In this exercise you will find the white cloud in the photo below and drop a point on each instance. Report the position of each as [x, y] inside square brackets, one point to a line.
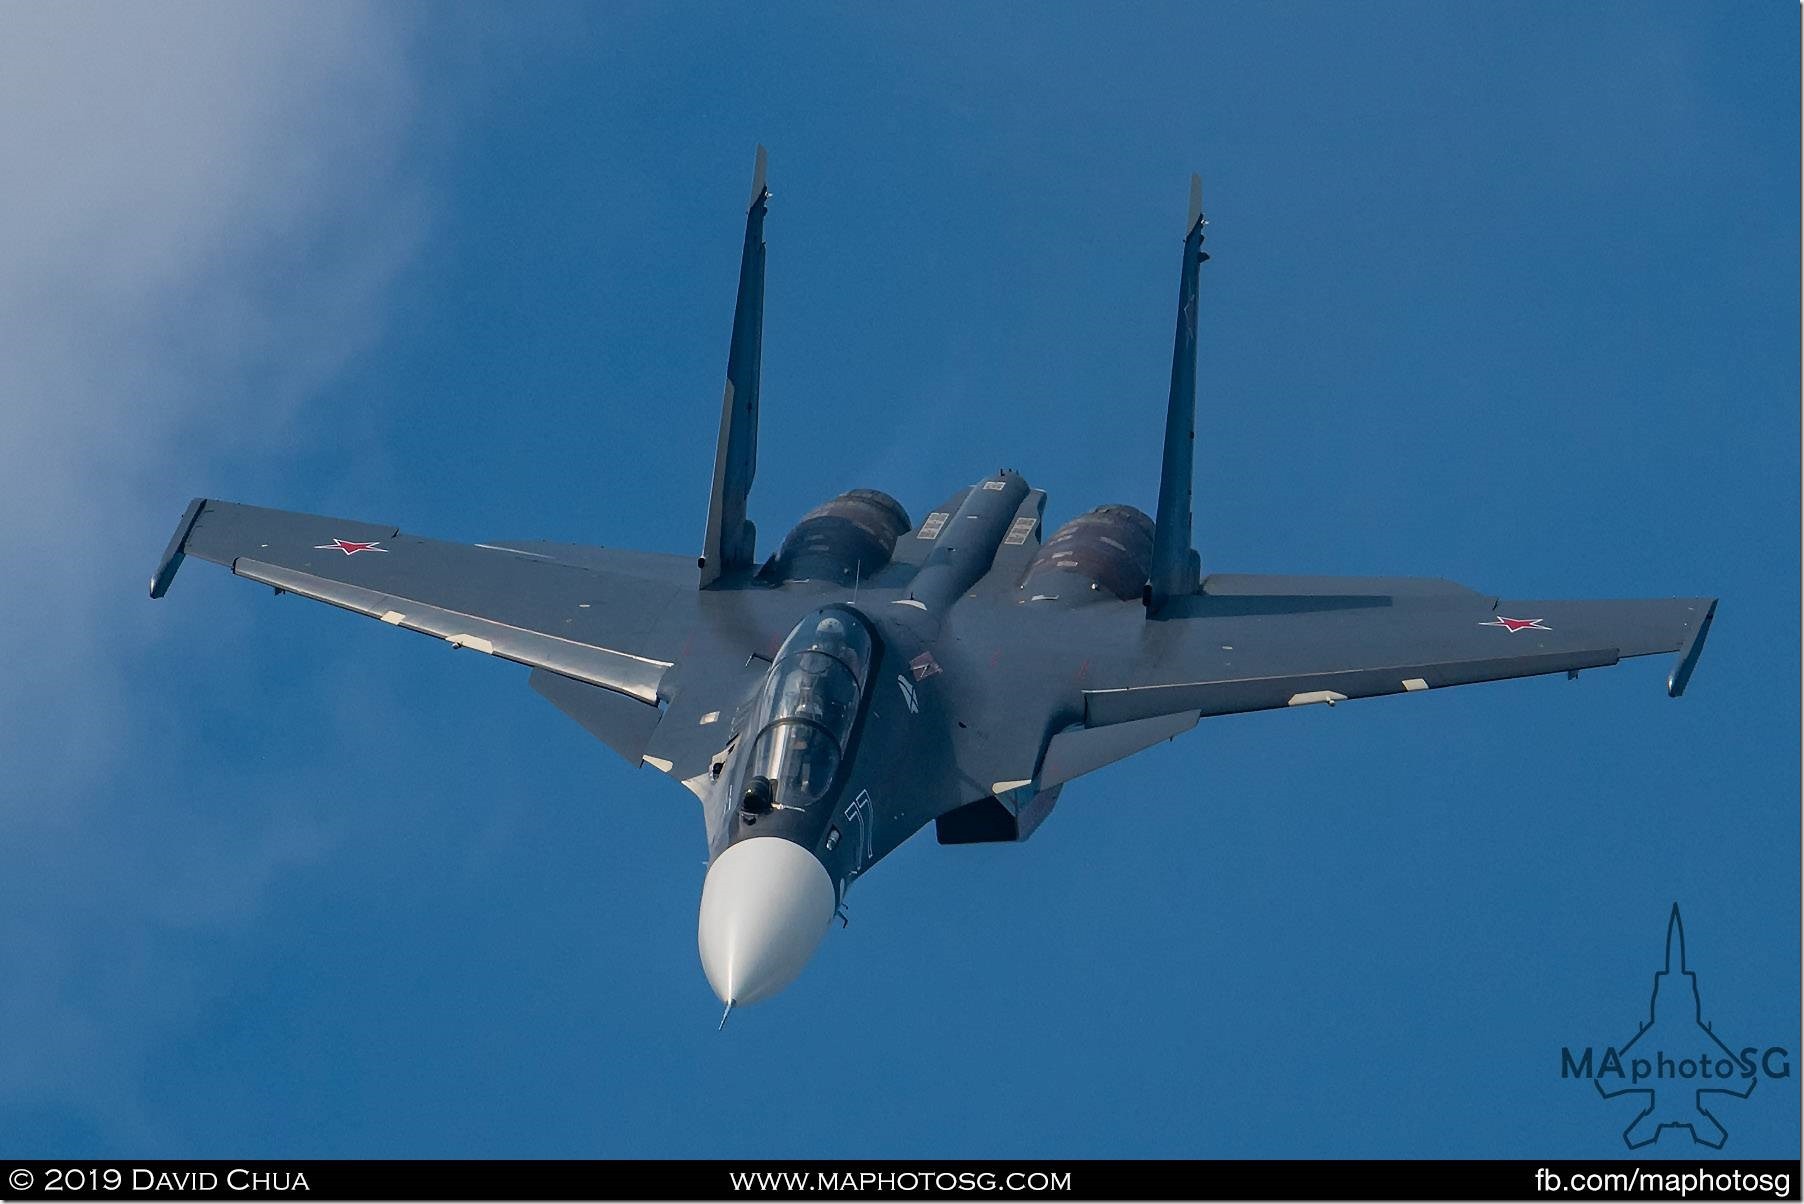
[204, 209]
[203, 206]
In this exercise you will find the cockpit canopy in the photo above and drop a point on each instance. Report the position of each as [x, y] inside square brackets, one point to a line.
[806, 711]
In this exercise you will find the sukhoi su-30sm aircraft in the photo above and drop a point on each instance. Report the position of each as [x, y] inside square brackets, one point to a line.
[873, 675]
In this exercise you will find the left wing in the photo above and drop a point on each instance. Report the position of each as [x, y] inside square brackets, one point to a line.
[618, 628]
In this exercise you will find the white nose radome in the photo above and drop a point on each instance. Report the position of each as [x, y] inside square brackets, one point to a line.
[766, 904]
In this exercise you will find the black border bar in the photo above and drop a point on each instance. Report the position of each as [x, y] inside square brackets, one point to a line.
[152, 1179]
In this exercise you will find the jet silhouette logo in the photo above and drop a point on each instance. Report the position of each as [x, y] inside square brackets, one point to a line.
[1675, 1061]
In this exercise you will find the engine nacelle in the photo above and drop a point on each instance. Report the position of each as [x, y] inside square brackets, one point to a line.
[849, 538]
[1107, 551]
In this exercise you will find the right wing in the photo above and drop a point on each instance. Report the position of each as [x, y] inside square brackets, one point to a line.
[1116, 683]
[614, 628]
[1238, 650]
[1048, 695]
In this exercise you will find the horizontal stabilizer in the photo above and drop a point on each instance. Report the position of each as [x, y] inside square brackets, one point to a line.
[621, 722]
[991, 821]
[1080, 750]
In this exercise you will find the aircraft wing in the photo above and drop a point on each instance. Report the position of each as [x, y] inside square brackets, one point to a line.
[593, 622]
[1227, 652]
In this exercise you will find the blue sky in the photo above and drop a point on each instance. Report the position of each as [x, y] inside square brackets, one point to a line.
[1504, 294]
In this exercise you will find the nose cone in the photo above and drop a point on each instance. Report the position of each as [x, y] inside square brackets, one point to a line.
[766, 904]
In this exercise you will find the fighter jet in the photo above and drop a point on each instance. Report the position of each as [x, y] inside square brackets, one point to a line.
[871, 675]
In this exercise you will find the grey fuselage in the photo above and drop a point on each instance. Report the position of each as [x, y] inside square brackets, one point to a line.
[898, 769]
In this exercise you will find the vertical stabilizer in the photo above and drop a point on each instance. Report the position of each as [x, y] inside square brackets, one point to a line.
[731, 542]
[1176, 568]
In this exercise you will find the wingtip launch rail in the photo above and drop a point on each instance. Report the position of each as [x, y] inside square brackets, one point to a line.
[164, 576]
[1689, 651]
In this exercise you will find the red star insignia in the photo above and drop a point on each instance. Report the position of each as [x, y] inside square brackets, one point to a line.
[349, 547]
[1515, 625]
